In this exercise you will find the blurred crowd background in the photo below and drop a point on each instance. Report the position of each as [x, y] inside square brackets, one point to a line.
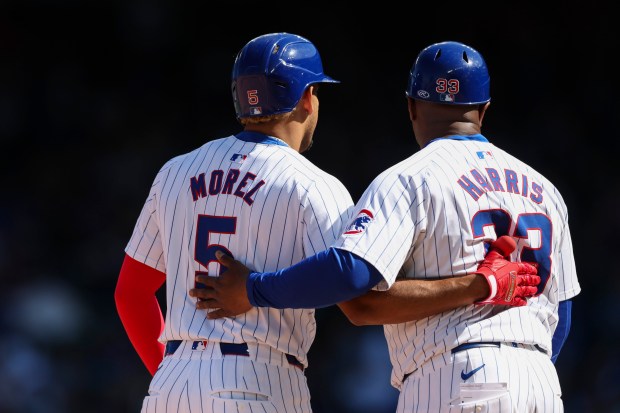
[95, 96]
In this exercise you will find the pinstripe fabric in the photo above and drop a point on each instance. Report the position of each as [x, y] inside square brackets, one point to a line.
[511, 380]
[261, 201]
[204, 381]
[432, 215]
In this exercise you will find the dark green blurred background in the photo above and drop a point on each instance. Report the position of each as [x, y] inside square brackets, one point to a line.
[95, 96]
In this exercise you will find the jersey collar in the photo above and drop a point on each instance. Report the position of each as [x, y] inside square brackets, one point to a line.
[258, 137]
[477, 137]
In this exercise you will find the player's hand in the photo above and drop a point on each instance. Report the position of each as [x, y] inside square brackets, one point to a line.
[510, 283]
[226, 294]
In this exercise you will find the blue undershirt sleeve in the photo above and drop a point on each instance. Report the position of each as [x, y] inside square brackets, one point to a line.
[561, 332]
[324, 279]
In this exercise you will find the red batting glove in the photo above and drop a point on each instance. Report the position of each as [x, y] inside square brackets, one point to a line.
[510, 282]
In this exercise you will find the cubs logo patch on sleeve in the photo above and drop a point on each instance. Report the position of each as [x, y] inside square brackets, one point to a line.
[359, 224]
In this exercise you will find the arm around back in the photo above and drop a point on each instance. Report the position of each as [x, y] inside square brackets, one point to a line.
[410, 300]
[496, 281]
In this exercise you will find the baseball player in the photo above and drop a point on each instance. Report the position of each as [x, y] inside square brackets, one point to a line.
[430, 216]
[254, 196]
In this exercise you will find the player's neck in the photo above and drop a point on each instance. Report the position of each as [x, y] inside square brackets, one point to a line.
[284, 132]
[426, 134]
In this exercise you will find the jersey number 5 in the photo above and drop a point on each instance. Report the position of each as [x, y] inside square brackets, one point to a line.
[539, 223]
[204, 250]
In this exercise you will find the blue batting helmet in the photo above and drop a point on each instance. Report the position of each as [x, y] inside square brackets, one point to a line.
[271, 73]
[449, 72]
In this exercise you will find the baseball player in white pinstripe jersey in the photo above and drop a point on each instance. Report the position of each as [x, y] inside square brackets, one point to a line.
[431, 216]
[254, 196]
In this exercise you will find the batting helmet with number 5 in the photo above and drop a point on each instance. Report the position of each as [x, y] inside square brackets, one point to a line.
[271, 73]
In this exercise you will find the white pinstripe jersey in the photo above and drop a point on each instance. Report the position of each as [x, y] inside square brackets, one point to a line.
[257, 199]
[430, 216]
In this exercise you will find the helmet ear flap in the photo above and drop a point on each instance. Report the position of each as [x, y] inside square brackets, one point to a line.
[450, 73]
[272, 71]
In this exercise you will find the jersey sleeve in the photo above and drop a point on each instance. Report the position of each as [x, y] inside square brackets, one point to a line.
[386, 222]
[567, 278]
[327, 209]
[145, 244]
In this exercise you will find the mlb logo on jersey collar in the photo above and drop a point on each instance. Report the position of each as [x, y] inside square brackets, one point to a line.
[238, 157]
[485, 154]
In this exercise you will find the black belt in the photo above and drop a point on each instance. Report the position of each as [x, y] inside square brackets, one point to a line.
[230, 349]
[467, 346]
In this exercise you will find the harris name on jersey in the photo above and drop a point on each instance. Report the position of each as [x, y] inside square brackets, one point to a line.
[479, 183]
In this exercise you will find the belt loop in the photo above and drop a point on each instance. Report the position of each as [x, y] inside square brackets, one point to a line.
[293, 360]
[172, 346]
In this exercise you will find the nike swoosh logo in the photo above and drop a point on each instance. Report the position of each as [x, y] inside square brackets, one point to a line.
[465, 376]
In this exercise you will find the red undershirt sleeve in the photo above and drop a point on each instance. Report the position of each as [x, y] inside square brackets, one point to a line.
[139, 309]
